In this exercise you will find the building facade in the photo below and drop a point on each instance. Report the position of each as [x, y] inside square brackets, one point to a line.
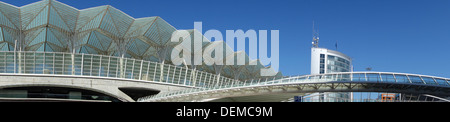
[52, 26]
[325, 61]
[329, 61]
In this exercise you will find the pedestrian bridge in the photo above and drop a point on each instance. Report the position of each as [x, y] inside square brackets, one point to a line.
[337, 82]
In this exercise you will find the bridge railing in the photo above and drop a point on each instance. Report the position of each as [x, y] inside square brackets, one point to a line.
[374, 77]
[58, 63]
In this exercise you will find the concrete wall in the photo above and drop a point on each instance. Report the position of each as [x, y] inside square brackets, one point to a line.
[108, 86]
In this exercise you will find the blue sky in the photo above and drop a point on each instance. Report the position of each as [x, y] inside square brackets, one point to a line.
[409, 36]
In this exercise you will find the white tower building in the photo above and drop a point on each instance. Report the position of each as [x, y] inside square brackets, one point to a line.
[324, 61]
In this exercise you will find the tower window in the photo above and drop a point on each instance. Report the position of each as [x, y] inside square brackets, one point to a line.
[322, 55]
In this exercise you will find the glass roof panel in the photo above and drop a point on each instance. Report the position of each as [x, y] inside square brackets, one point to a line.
[68, 14]
[165, 30]
[29, 12]
[121, 20]
[41, 48]
[85, 38]
[7, 36]
[40, 19]
[104, 41]
[40, 38]
[133, 48]
[140, 26]
[141, 46]
[4, 46]
[153, 34]
[48, 48]
[93, 40]
[52, 39]
[11, 14]
[48, 26]
[90, 18]
[56, 20]
[108, 25]
[5, 21]
[1, 35]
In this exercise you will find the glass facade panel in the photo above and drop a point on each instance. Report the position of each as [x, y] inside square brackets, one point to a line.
[401, 79]
[329, 77]
[322, 64]
[337, 64]
[415, 79]
[429, 80]
[315, 77]
[388, 78]
[344, 77]
[322, 55]
[358, 77]
[442, 82]
[373, 77]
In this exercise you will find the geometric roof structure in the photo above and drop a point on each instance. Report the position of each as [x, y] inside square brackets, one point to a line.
[52, 26]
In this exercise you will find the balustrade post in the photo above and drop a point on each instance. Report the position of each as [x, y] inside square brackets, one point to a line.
[20, 62]
[194, 77]
[168, 74]
[122, 73]
[43, 64]
[185, 76]
[82, 63]
[161, 72]
[140, 70]
[100, 66]
[53, 63]
[132, 69]
[63, 64]
[73, 63]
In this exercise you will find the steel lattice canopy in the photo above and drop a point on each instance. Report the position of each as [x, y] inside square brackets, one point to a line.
[52, 26]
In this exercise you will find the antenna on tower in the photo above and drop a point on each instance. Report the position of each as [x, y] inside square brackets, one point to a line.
[315, 42]
[336, 45]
